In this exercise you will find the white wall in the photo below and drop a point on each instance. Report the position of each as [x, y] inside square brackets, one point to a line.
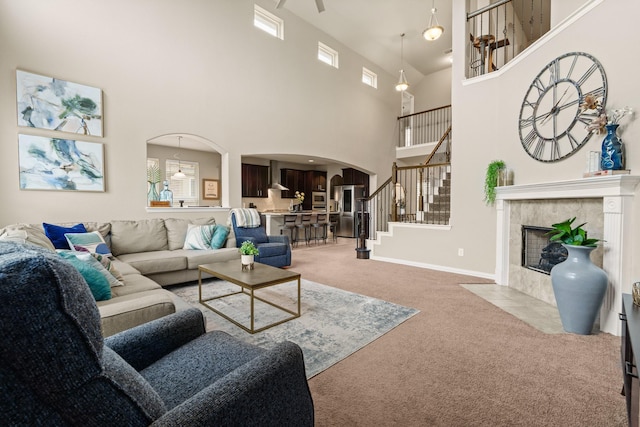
[195, 67]
[485, 127]
[433, 91]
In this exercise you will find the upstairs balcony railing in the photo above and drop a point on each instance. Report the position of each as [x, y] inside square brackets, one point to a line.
[423, 127]
[501, 30]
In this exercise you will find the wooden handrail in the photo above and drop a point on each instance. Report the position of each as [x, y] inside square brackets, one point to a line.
[433, 152]
[425, 111]
[375, 193]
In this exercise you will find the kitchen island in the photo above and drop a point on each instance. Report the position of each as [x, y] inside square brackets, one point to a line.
[274, 220]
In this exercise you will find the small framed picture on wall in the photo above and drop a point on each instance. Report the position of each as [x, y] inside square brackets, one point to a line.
[210, 189]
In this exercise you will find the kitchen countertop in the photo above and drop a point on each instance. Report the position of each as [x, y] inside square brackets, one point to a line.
[275, 218]
[286, 212]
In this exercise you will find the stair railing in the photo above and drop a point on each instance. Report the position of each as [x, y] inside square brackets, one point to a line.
[415, 194]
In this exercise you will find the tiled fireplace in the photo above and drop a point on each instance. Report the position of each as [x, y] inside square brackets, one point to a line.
[604, 203]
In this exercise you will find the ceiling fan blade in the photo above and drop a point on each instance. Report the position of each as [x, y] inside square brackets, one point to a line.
[280, 4]
[320, 6]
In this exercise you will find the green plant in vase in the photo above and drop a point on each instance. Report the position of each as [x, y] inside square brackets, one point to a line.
[248, 248]
[247, 253]
[576, 236]
[153, 178]
[491, 180]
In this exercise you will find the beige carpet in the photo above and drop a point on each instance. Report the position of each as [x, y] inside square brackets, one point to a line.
[461, 361]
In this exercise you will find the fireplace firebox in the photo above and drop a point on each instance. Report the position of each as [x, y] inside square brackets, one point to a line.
[539, 253]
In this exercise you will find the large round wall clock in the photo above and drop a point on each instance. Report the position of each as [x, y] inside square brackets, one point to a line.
[552, 124]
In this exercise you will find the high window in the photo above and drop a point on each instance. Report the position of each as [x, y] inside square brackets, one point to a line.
[327, 55]
[268, 22]
[183, 188]
[369, 78]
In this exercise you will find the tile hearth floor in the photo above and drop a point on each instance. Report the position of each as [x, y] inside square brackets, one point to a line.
[539, 314]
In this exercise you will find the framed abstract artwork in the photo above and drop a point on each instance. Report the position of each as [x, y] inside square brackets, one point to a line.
[60, 164]
[49, 103]
[210, 189]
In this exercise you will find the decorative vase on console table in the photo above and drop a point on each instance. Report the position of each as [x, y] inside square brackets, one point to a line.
[612, 157]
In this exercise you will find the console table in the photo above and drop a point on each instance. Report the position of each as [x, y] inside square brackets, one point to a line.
[630, 347]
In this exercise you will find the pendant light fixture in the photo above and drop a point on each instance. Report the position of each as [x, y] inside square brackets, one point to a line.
[434, 31]
[402, 84]
[179, 174]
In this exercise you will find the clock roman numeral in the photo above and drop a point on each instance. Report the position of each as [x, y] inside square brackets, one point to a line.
[587, 74]
[573, 141]
[528, 140]
[596, 92]
[527, 122]
[573, 64]
[555, 150]
[537, 83]
[554, 71]
[539, 148]
[586, 118]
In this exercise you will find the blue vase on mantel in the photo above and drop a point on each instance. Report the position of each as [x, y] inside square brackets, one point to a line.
[579, 287]
[612, 156]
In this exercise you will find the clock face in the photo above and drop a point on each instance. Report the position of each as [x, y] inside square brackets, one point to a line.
[552, 125]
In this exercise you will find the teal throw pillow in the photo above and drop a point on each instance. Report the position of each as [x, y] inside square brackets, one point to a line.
[56, 233]
[199, 236]
[98, 283]
[220, 235]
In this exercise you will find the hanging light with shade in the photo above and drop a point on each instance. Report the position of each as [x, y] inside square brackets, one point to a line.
[434, 31]
[179, 174]
[402, 84]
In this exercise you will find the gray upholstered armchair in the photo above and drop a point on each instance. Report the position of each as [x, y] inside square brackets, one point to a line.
[56, 369]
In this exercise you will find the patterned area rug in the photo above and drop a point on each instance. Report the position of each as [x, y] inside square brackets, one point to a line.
[333, 323]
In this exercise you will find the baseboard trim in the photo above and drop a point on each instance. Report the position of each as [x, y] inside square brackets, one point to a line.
[435, 267]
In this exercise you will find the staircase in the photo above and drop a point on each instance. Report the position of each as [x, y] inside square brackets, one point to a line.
[419, 194]
[438, 208]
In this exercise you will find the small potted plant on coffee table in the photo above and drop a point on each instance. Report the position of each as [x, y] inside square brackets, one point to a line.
[247, 252]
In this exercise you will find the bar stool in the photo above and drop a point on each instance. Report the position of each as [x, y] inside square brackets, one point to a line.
[305, 225]
[333, 226]
[320, 225]
[289, 226]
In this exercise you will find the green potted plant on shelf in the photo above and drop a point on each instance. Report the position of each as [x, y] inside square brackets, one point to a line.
[247, 253]
[578, 285]
[491, 180]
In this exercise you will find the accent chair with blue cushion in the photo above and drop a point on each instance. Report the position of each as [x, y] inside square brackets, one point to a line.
[57, 370]
[274, 250]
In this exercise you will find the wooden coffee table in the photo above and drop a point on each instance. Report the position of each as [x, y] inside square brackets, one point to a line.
[262, 276]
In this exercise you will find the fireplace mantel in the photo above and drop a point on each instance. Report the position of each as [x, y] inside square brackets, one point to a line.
[616, 192]
[602, 186]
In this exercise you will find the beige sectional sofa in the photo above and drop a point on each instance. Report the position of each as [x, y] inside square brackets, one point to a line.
[149, 254]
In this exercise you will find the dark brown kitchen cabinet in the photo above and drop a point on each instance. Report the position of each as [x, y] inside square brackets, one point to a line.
[352, 176]
[317, 180]
[255, 180]
[294, 180]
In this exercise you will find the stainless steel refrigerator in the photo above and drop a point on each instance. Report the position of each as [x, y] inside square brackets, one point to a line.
[349, 207]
